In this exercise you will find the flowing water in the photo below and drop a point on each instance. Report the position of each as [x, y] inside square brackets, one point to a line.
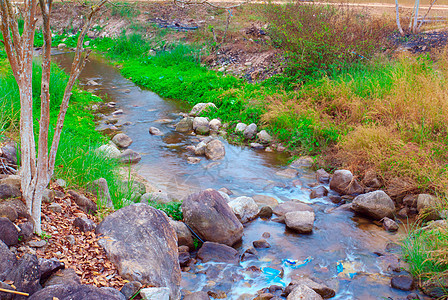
[343, 249]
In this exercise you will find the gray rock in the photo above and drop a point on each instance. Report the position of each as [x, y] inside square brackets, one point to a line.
[200, 122]
[203, 130]
[264, 137]
[410, 201]
[100, 189]
[402, 282]
[185, 125]
[55, 207]
[200, 148]
[209, 216]
[218, 253]
[375, 204]
[256, 146]
[184, 259]
[26, 275]
[9, 151]
[250, 254]
[201, 295]
[244, 208]
[130, 289]
[130, 157]
[240, 127]
[215, 150]
[214, 125]
[184, 236]
[319, 192]
[7, 260]
[140, 241]
[265, 212]
[122, 140]
[371, 180]
[26, 231]
[13, 180]
[344, 183]
[288, 173]
[8, 232]
[17, 205]
[390, 225]
[302, 292]
[8, 212]
[250, 131]
[322, 176]
[9, 191]
[302, 162]
[155, 131]
[61, 182]
[428, 206]
[83, 202]
[261, 244]
[263, 200]
[155, 293]
[37, 244]
[300, 221]
[110, 151]
[84, 224]
[323, 290]
[290, 206]
[199, 108]
[225, 196]
[48, 196]
[48, 267]
[77, 292]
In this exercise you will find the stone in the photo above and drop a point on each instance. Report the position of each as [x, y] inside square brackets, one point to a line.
[402, 282]
[218, 253]
[48, 267]
[263, 200]
[83, 202]
[390, 225]
[322, 176]
[8, 232]
[9, 151]
[288, 173]
[122, 140]
[26, 231]
[9, 191]
[140, 241]
[201, 295]
[17, 205]
[410, 201]
[264, 296]
[319, 192]
[184, 236]
[302, 292]
[200, 121]
[155, 131]
[37, 244]
[155, 293]
[250, 131]
[376, 205]
[55, 207]
[215, 150]
[226, 190]
[240, 127]
[62, 46]
[184, 259]
[302, 162]
[344, 183]
[61, 182]
[225, 196]
[109, 151]
[48, 196]
[7, 260]
[427, 206]
[13, 180]
[203, 130]
[199, 108]
[208, 215]
[84, 224]
[290, 206]
[200, 148]
[264, 137]
[130, 289]
[100, 189]
[245, 208]
[214, 125]
[8, 212]
[77, 292]
[300, 221]
[323, 290]
[185, 125]
[26, 275]
[265, 212]
[261, 244]
[250, 254]
[130, 157]
[371, 180]
[256, 146]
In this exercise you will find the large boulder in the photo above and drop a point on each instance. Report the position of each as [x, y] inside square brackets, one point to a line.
[215, 150]
[201, 107]
[185, 125]
[215, 124]
[110, 151]
[290, 206]
[8, 232]
[245, 208]
[26, 275]
[64, 277]
[300, 221]
[13, 180]
[140, 241]
[375, 204]
[344, 183]
[77, 292]
[209, 216]
[9, 191]
[7, 260]
[200, 122]
[122, 140]
[218, 253]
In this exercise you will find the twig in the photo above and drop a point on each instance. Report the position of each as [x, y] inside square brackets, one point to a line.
[423, 19]
[14, 292]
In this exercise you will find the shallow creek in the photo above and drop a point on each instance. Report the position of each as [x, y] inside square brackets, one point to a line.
[340, 251]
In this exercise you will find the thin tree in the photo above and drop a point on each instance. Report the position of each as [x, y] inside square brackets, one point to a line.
[37, 167]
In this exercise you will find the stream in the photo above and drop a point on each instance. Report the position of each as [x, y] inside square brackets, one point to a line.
[348, 253]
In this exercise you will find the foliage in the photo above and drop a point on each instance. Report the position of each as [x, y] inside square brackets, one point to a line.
[172, 209]
[123, 9]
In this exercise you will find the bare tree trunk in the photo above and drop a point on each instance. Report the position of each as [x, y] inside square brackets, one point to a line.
[398, 18]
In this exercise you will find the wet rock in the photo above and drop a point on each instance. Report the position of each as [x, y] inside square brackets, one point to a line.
[319, 192]
[200, 122]
[8, 232]
[7, 260]
[336, 199]
[300, 221]
[130, 157]
[184, 259]
[63, 277]
[250, 131]
[322, 176]
[109, 151]
[77, 292]
[218, 253]
[263, 200]
[200, 148]
[245, 208]
[55, 207]
[122, 140]
[215, 150]
[375, 204]
[48, 267]
[249, 254]
[83, 202]
[240, 127]
[185, 125]
[427, 205]
[390, 225]
[226, 190]
[100, 189]
[209, 216]
[371, 180]
[84, 224]
[130, 289]
[288, 173]
[8, 212]
[201, 295]
[133, 238]
[184, 236]
[302, 162]
[155, 131]
[215, 124]
[264, 137]
[402, 282]
[323, 290]
[256, 146]
[344, 183]
[290, 206]
[199, 108]
[264, 296]
[225, 196]
[37, 244]
[9, 191]
[265, 212]
[303, 292]
[261, 244]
